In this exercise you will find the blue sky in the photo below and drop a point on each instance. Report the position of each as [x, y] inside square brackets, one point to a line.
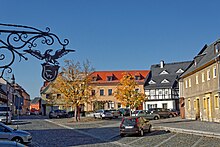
[115, 34]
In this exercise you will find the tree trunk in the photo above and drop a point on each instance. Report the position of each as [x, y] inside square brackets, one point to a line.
[76, 113]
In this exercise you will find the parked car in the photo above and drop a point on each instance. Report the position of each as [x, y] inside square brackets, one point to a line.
[8, 133]
[124, 111]
[115, 113]
[175, 112]
[166, 113]
[34, 111]
[58, 114]
[103, 114]
[146, 114]
[134, 125]
[7, 143]
[71, 113]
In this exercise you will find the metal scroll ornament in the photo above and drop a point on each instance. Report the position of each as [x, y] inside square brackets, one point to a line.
[19, 40]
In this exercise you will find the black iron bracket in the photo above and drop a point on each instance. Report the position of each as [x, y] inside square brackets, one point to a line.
[20, 40]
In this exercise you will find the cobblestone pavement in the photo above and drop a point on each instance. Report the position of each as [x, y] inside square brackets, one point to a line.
[99, 133]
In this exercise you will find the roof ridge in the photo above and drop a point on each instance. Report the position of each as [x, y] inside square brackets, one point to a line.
[174, 62]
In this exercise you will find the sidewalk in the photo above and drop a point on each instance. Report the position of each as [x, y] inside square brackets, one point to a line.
[176, 124]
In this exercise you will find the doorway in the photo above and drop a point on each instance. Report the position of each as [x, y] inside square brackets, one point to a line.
[197, 110]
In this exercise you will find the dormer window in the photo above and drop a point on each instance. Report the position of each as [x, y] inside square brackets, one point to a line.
[152, 82]
[180, 71]
[216, 47]
[165, 81]
[109, 78]
[94, 78]
[137, 77]
[164, 72]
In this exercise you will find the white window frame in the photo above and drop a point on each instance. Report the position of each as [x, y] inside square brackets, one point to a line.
[197, 79]
[186, 83]
[214, 72]
[189, 82]
[208, 75]
[203, 77]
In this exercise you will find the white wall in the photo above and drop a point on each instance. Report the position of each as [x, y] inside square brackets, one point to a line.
[170, 104]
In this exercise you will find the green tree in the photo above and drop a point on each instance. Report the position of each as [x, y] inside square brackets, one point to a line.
[126, 92]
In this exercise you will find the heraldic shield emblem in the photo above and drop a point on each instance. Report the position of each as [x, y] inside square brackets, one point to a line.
[49, 72]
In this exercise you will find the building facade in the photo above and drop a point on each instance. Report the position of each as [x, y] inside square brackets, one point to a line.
[200, 86]
[161, 85]
[104, 84]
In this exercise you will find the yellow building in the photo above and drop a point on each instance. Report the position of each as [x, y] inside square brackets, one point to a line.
[200, 86]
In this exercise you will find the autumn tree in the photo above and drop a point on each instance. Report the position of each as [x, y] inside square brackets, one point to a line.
[127, 93]
[73, 83]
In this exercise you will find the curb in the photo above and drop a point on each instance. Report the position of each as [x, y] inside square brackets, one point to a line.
[186, 131]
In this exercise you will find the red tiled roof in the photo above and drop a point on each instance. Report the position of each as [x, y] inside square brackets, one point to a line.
[102, 75]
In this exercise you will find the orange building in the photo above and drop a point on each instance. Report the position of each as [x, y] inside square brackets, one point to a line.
[104, 84]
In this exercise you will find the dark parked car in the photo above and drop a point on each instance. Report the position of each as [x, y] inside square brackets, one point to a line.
[124, 111]
[58, 114]
[134, 125]
[166, 113]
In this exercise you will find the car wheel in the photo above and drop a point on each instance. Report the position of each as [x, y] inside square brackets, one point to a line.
[156, 118]
[94, 117]
[141, 132]
[170, 116]
[122, 135]
[17, 139]
[101, 117]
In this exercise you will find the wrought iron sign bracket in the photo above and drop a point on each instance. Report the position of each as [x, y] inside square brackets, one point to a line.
[20, 40]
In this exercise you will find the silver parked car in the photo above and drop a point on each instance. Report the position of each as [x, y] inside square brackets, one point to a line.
[8, 133]
[102, 114]
[146, 114]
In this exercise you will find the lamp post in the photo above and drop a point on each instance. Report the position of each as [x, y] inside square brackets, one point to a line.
[13, 93]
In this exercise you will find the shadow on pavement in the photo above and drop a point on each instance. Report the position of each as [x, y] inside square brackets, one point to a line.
[78, 137]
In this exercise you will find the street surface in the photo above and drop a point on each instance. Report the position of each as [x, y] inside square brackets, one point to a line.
[99, 133]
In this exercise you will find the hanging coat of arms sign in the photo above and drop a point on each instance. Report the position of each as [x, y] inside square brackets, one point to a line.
[17, 37]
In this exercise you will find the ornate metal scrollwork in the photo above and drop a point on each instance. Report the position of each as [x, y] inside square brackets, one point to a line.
[18, 37]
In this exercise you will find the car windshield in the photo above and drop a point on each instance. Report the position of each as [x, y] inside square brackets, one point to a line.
[129, 121]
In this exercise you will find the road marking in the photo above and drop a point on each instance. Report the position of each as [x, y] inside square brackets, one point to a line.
[197, 142]
[165, 140]
[88, 134]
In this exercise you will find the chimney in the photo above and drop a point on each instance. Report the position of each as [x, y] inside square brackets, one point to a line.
[161, 64]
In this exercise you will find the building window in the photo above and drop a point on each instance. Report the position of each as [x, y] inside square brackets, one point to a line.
[189, 82]
[58, 96]
[216, 102]
[109, 78]
[93, 92]
[119, 105]
[208, 75]
[101, 92]
[204, 103]
[203, 77]
[137, 77]
[189, 104]
[109, 91]
[164, 105]
[197, 79]
[214, 72]
[186, 83]
[194, 104]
